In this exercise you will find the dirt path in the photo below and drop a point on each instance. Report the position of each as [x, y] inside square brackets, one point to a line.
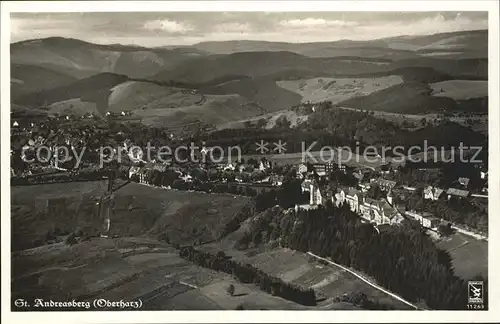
[365, 280]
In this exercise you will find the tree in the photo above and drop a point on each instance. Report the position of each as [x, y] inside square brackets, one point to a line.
[71, 239]
[168, 177]
[261, 123]
[230, 290]
[283, 122]
[445, 230]
[375, 192]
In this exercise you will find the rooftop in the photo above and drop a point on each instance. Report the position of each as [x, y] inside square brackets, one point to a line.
[457, 192]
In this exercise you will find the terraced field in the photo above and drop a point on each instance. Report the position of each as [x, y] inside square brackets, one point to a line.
[338, 89]
[460, 89]
[298, 268]
[470, 256]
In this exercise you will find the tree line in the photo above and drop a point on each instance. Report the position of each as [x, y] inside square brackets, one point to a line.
[339, 127]
[246, 273]
[457, 211]
[403, 259]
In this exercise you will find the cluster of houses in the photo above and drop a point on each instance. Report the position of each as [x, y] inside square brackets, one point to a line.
[379, 212]
[460, 191]
[122, 113]
[260, 174]
[383, 211]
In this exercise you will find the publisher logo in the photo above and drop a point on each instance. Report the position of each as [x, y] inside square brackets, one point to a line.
[476, 292]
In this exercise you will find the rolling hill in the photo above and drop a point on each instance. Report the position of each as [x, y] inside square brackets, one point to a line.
[189, 83]
[460, 89]
[413, 98]
[273, 65]
[81, 59]
[338, 89]
[265, 93]
[94, 89]
[27, 78]
[464, 44]
[152, 103]
[266, 64]
[471, 69]
[322, 49]
[288, 65]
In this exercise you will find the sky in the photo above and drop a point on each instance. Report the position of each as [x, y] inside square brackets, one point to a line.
[186, 28]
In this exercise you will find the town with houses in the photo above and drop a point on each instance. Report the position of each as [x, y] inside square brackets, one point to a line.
[321, 172]
[318, 182]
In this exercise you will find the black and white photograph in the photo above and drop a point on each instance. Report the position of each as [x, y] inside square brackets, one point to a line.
[247, 160]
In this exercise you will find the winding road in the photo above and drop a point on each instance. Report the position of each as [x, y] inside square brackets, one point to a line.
[365, 280]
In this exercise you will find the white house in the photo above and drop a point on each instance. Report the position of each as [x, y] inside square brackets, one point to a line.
[133, 170]
[453, 192]
[306, 185]
[364, 186]
[390, 197]
[374, 211]
[302, 168]
[353, 198]
[397, 219]
[385, 184]
[432, 193]
[264, 165]
[431, 222]
[277, 180]
[339, 198]
[315, 196]
[425, 219]
[379, 212]
[230, 167]
[464, 181]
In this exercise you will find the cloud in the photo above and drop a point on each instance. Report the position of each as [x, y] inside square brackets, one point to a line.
[29, 28]
[157, 29]
[233, 27]
[437, 23]
[169, 26]
[316, 22]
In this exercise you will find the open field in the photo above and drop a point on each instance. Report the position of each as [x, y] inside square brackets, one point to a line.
[211, 109]
[470, 256]
[414, 122]
[39, 210]
[186, 217]
[338, 89]
[131, 269]
[460, 89]
[148, 103]
[137, 263]
[345, 157]
[298, 268]
[74, 106]
[132, 95]
[270, 120]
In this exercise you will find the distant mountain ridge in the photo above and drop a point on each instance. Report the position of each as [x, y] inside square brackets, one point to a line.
[472, 44]
[82, 59]
[235, 79]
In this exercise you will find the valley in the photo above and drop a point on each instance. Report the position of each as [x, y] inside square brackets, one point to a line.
[267, 230]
